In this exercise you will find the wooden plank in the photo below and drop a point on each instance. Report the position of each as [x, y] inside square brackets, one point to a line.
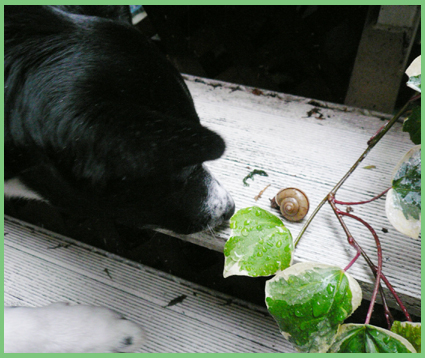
[273, 132]
[42, 267]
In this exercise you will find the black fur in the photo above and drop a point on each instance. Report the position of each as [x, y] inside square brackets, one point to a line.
[98, 122]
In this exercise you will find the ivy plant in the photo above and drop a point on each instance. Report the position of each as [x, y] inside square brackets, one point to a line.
[364, 338]
[403, 204]
[409, 330]
[261, 245]
[310, 301]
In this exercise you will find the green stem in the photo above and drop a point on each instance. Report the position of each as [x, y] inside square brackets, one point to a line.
[309, 220]
[371, 143]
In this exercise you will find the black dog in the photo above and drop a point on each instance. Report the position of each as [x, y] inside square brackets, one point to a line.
[98, 122]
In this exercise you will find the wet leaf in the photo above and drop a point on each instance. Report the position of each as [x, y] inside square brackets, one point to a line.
[309, 301]
[414, 73]
[409, 330]
[361, 338]
[415, 83]
[403, 203]
[260, 244]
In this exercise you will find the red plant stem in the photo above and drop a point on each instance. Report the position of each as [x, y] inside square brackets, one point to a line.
[376, 269]
[374, 136]
[353, 261]
[331, 197]
[388, 316]
[354, 243]
[361, 202]
[415, 97]
[400, 303]
[387, 313]
[379, 268]
[351, 241]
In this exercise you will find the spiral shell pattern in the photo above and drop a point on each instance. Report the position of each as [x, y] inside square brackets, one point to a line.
[293, 203]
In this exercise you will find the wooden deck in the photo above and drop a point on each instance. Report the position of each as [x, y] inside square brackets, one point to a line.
[42, 267]
[267, 131]
[276, 133]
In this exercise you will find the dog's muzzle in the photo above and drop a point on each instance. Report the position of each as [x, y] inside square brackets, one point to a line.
[219, 205]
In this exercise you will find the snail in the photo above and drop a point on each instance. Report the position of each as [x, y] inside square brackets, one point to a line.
[292, 202]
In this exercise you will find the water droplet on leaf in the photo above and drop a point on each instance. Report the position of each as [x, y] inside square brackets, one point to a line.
[303, 326]
[330, 288]
[342, 315]
[318, 309]
[299, 313]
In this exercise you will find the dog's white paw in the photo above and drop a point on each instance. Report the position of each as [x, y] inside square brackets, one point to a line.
[61, 328]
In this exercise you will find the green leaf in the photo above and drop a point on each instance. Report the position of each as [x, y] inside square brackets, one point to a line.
[260, 244]
[403, 204]
[415, 83]
[309, 301]
[364, 338]
[407, 181]
[414, 73]
[409, 330]
[412, 125]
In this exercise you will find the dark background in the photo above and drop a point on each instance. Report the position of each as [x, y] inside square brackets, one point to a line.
[302, 50]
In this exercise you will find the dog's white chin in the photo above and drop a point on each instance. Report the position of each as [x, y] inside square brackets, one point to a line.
[218, 203]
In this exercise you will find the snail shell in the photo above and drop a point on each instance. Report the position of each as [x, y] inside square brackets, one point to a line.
[293, 203]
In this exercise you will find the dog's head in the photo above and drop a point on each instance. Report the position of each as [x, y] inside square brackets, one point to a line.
[103, 125]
